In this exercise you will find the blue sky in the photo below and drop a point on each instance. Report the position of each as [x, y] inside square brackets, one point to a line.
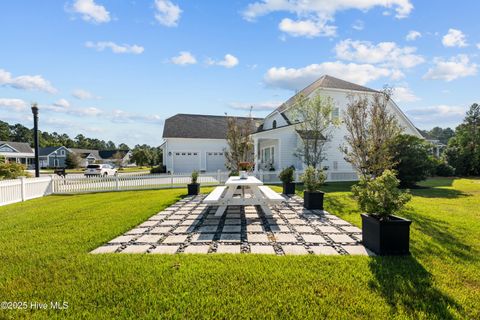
[116, 69]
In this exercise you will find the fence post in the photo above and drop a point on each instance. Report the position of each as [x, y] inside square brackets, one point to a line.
[296, 176]
[218, 176]
[22, 180]
[171, 179]
[117, 184]
[52, 183]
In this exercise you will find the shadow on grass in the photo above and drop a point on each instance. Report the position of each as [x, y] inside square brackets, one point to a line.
[408, 288]
[435, 192]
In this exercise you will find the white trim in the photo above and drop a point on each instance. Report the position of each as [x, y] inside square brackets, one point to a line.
[6, 144]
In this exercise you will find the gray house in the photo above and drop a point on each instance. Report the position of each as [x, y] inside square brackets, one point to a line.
[20, 152]
[53, 157]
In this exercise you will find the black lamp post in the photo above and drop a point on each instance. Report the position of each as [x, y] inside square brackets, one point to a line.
[35, 138]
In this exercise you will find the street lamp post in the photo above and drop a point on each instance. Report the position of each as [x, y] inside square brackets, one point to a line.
[35, 138]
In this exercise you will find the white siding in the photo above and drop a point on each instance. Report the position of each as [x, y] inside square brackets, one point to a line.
[275, 116]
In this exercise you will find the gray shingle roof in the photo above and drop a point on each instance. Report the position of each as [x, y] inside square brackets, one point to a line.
[86, 152]
[199, 126]
[325, 81]
[22, 147]
[47, 150]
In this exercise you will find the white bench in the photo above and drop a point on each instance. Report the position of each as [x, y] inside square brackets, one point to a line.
[271, 195]
[215, 196]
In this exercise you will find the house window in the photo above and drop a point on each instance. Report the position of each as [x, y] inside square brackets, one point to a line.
[62, 152]
[274, 124]
[335, 165]
[336, 113]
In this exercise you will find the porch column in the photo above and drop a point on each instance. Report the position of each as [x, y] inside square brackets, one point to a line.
[255, 153]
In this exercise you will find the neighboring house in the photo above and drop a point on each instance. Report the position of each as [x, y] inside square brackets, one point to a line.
[20, 152]
[89, 156]
[437, 147]
[195, 142]
[192, 140]
[52, 157]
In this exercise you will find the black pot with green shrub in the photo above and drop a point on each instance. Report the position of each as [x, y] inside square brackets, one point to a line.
[382, 232]
[313, 179]
[194, 187]
[286, 176]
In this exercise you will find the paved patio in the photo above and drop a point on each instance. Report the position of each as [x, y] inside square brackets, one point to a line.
[189, 226]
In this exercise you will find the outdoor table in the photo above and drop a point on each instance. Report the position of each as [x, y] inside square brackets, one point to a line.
[252, 193]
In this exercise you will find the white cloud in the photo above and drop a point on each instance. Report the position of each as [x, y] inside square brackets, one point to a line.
[26, 82]
[478, 45]
[458, 66]
[439, 115]
[184, 58]
[404, 94]
[167, 13]
[295, 79]
[62, 103]
[385, 53]
[454, 38]
[358, 25]
[82, 94]
[91, 11]
[15, 104]
[229, 61]
[257, 106]
[314, 15]
[306, 28]
[413, 35]
[102, 45]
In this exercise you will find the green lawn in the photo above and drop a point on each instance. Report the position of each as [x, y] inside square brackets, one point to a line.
[44, 245]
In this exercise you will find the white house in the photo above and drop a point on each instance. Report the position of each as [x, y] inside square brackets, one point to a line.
[20, 152]
[275, 141]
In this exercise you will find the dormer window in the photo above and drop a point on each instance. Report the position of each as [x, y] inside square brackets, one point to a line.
[274, 124]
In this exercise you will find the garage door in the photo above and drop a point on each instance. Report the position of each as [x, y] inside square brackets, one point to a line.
[215, 161]
[184, 162]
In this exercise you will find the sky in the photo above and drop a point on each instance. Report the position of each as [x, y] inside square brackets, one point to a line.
[115, 70]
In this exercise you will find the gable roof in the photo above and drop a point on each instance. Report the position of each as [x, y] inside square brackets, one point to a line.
[21, 147]
[200, 126]
[48, 150]
[85, 152]
[325, 81]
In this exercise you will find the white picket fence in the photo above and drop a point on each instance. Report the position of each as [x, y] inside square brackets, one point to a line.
[22, 189]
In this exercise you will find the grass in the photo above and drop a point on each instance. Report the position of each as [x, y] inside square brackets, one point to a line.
[44, 245]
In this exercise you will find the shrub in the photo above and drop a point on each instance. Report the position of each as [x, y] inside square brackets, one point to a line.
[233, 173]
[246, 166]
[313, 179]
[159, 169]
[443, 169]
[286, 176]
[413, 162]
[194, 177]
[380, 196]
[11, 170]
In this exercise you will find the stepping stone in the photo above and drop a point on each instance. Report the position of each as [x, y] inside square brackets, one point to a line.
[183, 229]
[158, 217]
[257, 238]
[161, 230]
[313, 238]
[196, 249]
[190, 222]
[122, 239]
[279, 228]
[203, 237]
[285, 237]
[255, 228]
[296, 221]
[175, 239]
[340, 222]
[324, 250]
[276, 221]
[328, 229]
[230, 237]
[208, 229]
[211, 222]
[233, 221]
[105, 249]
[176, 217]
[294, 250]
[341, 238]
[358, 250]
[304, 229]
[149, 238]
[148, 223]
[165, 249]
[136, 249]
[262, 250]
[169, 223]
[136, 231]
[351, 229]
[232, 228]
[224, 248]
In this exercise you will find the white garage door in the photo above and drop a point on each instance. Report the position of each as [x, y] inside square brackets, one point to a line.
[215, 161]
[184, 162]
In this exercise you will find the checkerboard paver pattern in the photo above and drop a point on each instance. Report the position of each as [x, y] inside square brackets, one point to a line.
[190, 227]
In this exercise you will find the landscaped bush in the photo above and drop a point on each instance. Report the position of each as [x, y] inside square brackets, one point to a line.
[194, 177]
[380, 196]
[443, 169]
[286, 175]
[313, 179]
[11, 170]
[412, 159]
[159, 169]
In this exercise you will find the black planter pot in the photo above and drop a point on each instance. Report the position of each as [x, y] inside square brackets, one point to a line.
[289, 188]
[313, 200]
[193, 189]
[386, 237]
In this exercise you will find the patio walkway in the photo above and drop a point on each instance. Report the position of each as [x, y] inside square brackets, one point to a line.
[189, 226]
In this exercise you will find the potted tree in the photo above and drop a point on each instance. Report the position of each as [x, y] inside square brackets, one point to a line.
[313, 179]
[383, 232]
[286, 176]
[244, 168]
[194, 187]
